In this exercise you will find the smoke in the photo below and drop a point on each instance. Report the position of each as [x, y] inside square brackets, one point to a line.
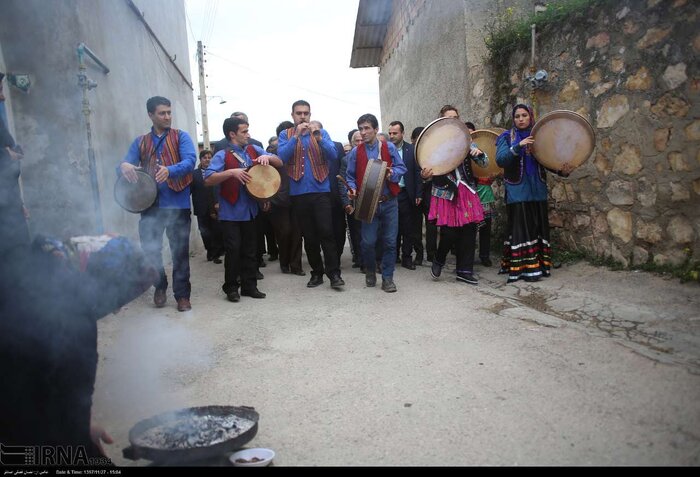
[149, 362]
[48, 334]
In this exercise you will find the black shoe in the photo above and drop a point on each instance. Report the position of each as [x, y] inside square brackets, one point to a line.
[467, 278]
[486, 262]
[272, 258]
[408, 264]
[337, 282]
[233, 296]
[216, 260]
[435, 270]
[259, 275]
[285, 269]
[159, 298]
[254, 293]
[388, 285]
[418, 262]
[301, 273]
[315, 281]
[261, 263]
[370, 279]
[556, 264]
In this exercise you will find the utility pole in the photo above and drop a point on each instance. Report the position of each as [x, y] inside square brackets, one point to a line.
[203, 95]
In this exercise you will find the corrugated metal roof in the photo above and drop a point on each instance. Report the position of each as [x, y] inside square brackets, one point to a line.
[370, 29]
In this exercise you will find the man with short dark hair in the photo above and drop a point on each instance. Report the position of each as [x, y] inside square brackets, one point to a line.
[386, 217]
[411, 193]
[205, 204]
[237, 208]
[308, 151]
[168, 155]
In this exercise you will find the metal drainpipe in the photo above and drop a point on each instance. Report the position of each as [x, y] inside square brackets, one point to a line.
[87, 84]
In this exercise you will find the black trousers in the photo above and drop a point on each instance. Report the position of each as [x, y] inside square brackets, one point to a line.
[485, 239]
[210, 230]
[240, 243]
[338, 216]
[265, 233]
[313, 211]
[354, 231]
[288, 236]
[431, 233]
[464, 238]
[405, 237]
[176, 224]
[417, 225]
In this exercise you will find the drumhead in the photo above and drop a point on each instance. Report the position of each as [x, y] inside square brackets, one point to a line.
[265, 181]
[563, 136]
[136, 197]
[485, 140]
[371, 191]
[443, 145]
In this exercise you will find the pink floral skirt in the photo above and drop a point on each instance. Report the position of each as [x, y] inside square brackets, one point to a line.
[463, 209]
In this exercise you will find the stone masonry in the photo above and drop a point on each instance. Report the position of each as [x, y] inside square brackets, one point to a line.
[632, 69]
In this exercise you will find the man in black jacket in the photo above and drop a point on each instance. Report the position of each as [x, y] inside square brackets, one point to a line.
[205, 206]
[410, 196]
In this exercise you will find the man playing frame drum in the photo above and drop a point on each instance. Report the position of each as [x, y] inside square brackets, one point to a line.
[386, 217]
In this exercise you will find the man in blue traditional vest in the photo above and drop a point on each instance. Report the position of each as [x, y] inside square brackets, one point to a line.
[168, 155]
[386, 217]
[237, 208]
[307, 152]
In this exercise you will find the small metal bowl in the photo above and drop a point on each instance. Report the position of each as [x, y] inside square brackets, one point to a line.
[247, 457]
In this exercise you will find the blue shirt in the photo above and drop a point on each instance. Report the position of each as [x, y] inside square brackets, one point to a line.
[398, 168]
[168, 198]
[531, 188]
[246, 207]
[307, 184]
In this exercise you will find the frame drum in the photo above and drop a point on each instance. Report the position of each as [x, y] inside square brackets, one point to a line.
[136, 197]
[371, 191]
[443, 145]
[265, 181]
[562, 136]
[485, 140]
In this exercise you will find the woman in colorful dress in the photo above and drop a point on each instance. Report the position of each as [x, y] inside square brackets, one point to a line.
[455, 206]
[526, 249]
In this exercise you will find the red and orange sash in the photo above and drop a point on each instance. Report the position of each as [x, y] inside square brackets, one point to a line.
[295, 167]
[169, 156]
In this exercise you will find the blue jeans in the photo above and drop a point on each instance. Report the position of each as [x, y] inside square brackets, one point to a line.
[176, 225]
[387, 220]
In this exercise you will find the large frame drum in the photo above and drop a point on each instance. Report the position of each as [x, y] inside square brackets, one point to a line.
[485, 140]
[136, 197]
[443, 145]
[265, 181]
[371, 190]
[563, 136]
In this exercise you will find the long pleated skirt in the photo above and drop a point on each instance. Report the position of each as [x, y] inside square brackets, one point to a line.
[526, 250]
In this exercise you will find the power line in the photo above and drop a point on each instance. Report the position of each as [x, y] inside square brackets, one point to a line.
[279, 79]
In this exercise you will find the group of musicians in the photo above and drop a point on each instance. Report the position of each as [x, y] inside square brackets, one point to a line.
[310, 166]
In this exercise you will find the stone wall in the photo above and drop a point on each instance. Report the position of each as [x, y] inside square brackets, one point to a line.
[632, 69]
